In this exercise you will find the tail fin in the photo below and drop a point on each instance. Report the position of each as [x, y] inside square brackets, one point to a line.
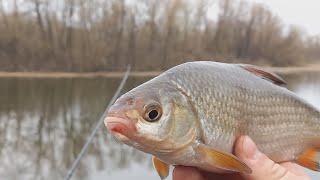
[310, 159]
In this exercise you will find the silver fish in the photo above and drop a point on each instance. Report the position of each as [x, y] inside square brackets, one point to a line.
[192, 114]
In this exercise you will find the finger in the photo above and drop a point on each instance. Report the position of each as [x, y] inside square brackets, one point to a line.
[187, 173]
[262, 167]
[191, 173]
[294, 168]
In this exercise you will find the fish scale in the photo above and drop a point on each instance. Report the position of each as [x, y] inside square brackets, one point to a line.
[269, 111]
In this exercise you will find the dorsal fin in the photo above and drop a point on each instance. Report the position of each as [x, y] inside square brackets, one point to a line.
[258, 71]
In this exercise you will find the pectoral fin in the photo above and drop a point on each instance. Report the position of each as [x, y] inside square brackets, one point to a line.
[310, 159]
[223, 160]
[161, 167]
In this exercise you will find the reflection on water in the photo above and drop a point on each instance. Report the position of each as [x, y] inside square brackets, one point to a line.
[45, 122]
[307, 86]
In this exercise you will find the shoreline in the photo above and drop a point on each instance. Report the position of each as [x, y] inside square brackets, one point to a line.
[76, 74]
[280, 70]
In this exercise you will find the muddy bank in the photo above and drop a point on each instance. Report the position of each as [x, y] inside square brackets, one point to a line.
[282, 70]
[76, 75]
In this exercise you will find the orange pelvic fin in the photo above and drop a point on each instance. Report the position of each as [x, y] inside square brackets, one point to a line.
[161, 167]
[223, 160]
[310, 159]
[258, 71]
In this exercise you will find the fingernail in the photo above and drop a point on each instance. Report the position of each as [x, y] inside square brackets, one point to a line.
[250, 148]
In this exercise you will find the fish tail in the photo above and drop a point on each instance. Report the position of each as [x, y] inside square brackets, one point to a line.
[310, 159]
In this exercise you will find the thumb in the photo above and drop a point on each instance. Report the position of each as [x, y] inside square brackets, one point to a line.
[262, 167]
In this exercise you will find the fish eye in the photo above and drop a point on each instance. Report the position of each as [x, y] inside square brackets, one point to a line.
[153, 113]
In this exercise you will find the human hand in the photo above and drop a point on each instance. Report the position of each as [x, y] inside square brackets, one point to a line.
[262, 167]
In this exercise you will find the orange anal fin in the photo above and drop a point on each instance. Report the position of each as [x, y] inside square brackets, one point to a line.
[270, 76]
[310, 159]
[161, 167]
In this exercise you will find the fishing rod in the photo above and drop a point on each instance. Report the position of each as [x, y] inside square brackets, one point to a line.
[95, 130]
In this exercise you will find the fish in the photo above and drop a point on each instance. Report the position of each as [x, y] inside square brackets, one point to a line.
[192, 114]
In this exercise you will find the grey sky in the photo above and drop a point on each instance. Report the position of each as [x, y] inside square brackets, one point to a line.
[304, 13]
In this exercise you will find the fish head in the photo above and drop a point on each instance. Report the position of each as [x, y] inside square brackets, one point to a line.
[154, 118]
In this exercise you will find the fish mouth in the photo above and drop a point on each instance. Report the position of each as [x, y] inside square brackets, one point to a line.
[121, 137]
[119, 127]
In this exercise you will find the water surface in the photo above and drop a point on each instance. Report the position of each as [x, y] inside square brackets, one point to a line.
[45, 122]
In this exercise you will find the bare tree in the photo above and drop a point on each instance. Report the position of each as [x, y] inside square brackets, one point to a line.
[120, 13]
[3, 14]
[98, 35]
[37, 7]
[131, 52]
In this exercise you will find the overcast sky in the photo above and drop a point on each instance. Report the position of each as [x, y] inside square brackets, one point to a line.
[305, 13]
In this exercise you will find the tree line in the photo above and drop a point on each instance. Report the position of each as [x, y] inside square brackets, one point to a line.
[106, 35]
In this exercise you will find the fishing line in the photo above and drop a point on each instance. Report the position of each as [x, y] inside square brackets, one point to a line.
[85, 147]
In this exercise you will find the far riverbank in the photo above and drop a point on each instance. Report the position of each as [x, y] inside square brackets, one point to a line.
[280, 70]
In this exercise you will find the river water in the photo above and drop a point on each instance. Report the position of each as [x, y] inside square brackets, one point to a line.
[45, 122]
